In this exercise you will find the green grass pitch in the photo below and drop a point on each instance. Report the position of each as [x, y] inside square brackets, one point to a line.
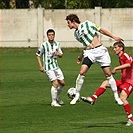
[25, 97]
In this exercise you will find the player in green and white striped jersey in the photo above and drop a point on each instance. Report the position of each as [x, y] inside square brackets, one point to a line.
[86, 32]
[94, 51]
[50, 49]
[49, 58]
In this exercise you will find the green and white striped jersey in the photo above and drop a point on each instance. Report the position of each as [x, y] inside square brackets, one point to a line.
[49, 59]
[85, 32]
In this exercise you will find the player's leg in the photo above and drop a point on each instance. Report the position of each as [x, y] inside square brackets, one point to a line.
[61, 84]
[59, 90]
[104, 62]
[79, 83]
[54, 93]
[80, 79]
[97, 93]
[52, 77]
[112, 84]
[124, 95]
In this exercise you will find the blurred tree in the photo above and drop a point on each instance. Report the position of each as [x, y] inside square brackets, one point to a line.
[50, 4]
[22, 3]
[31, 3]
[70, 4]
[112, 3]
[78, 4]
[4, 4]
[12, 4]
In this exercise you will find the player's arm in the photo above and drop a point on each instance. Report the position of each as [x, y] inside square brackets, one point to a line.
[107, 33]
[121, 67]
[58, 52]
[40, 63]
[38, 56]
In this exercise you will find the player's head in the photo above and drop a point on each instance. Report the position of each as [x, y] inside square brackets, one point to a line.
[50, 35]
[50, 30]
[118, 48]
[71, 20]
[120, 45]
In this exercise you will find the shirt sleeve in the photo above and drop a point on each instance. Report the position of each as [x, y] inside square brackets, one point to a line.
[59, 49]
[94, 26]
[128, 58]
[40, 50]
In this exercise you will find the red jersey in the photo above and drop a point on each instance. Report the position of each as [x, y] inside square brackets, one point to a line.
[126, 73]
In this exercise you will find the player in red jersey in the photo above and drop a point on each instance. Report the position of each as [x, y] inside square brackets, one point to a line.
[124, 85]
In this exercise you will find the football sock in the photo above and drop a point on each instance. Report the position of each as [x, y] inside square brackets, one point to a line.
[113, 86]
[128, 111]
[54, 93]
[79, 83]
[98, 92]
[59, 89]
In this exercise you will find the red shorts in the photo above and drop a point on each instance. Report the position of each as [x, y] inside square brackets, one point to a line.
[128, 88]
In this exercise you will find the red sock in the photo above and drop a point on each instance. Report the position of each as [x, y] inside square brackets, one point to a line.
[98, 92]
[128, 111]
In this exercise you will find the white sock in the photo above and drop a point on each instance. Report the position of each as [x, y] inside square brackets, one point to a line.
[53, 94]
[113, 86]
[79, 83]
[59, 89]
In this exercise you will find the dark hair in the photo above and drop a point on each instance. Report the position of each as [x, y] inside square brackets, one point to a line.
[73, 18]
[120, 44]
[50, 30]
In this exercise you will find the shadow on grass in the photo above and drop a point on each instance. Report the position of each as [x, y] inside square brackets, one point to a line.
[99, 125]
[114, 125]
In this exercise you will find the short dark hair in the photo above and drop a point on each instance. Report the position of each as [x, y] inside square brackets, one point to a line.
[50, 30]
[73, 18]
[120, 44]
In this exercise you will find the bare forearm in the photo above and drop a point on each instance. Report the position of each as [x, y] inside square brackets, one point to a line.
[107, 33]
[120, 67]
[40, 64]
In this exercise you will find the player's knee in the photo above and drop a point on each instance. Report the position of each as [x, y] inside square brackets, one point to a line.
[55, 83]
[82, 73]
[123, 99]
[62, 84]
[108, 74]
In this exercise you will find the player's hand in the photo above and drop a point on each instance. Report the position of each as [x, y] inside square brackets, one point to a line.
[118, 39]
[56, 53]
[41, 69]
[114, 71]
[79, 59]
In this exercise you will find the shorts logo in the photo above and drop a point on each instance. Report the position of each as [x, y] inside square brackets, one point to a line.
[130, 88]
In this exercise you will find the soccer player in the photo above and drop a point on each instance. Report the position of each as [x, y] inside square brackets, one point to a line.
[94, 51]
[125, 84]
[50, 50]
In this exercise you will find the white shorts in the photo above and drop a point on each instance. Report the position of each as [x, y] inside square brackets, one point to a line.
[55, 74]
[99, 55]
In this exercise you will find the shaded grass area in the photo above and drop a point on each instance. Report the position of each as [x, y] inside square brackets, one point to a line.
[25, 97]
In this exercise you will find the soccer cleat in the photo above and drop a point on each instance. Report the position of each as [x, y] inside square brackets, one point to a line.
[55, 104]
[74, 101]
[88, 100]
[60, 101]
[129, 123]
[118, 101]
